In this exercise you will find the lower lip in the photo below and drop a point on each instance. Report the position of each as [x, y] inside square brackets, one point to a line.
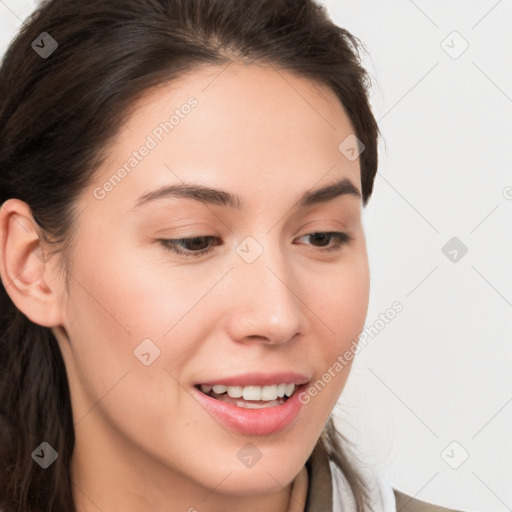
[257, 422]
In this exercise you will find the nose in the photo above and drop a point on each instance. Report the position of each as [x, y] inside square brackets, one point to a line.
[264, 300]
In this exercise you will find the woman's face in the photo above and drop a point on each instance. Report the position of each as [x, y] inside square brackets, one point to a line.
[269, 303]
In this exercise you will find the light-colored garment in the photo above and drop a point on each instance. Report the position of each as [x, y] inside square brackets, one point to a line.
[382, 497]
[329, 491]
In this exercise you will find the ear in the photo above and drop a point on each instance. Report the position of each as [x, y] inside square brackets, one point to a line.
[27, 275]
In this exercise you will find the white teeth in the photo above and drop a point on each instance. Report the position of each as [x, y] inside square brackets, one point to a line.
[262, 405]
[266, 393]
[290, 388]
[269, 393]
[235, 391]
[252, 393]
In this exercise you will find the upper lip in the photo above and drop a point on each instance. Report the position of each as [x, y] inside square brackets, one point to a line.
[258, 379]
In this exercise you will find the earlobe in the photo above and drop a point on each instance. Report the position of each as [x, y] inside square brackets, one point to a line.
[25, 274]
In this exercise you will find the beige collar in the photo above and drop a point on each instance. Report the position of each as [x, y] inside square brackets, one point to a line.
[319, 495]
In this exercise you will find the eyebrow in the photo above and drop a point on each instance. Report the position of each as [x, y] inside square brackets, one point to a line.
[213, 196]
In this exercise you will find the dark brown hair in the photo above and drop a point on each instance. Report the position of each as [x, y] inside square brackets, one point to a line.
[57, 116]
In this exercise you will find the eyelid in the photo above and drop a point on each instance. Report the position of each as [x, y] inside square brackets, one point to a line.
[172, 244]
[343, 238]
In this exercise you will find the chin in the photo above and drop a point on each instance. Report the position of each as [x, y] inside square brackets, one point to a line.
[266, 479]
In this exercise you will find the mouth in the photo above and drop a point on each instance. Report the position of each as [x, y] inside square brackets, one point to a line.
[252, 396]
[254, 403]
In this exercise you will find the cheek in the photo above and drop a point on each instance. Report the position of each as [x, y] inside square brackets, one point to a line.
[126, 299]
[108, 316]
[341, 301]
[115, 307]
[133, 296]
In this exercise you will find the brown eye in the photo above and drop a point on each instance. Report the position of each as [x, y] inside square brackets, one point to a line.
[324, 237]
[195, 246]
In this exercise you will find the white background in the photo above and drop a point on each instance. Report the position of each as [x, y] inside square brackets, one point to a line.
[433, 386]
[440, 371]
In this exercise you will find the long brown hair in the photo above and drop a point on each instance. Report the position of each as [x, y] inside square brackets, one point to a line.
[58, 113]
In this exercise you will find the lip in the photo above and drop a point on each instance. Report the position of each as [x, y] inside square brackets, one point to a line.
[256, 422]
[259, 379]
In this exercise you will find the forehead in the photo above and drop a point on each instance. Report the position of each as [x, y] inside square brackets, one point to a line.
[247, 128]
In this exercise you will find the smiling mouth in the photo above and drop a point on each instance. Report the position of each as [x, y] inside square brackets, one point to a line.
[250, 397]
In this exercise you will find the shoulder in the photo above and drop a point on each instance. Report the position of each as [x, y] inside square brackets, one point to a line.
[405, 503]
[382, 496]
[329, 490]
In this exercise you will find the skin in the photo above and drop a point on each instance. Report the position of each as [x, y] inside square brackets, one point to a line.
[142, 441]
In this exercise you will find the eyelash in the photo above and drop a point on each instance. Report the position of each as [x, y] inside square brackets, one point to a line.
[172, 244]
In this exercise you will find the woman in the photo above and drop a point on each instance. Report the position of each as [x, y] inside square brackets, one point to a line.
[183, 258]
